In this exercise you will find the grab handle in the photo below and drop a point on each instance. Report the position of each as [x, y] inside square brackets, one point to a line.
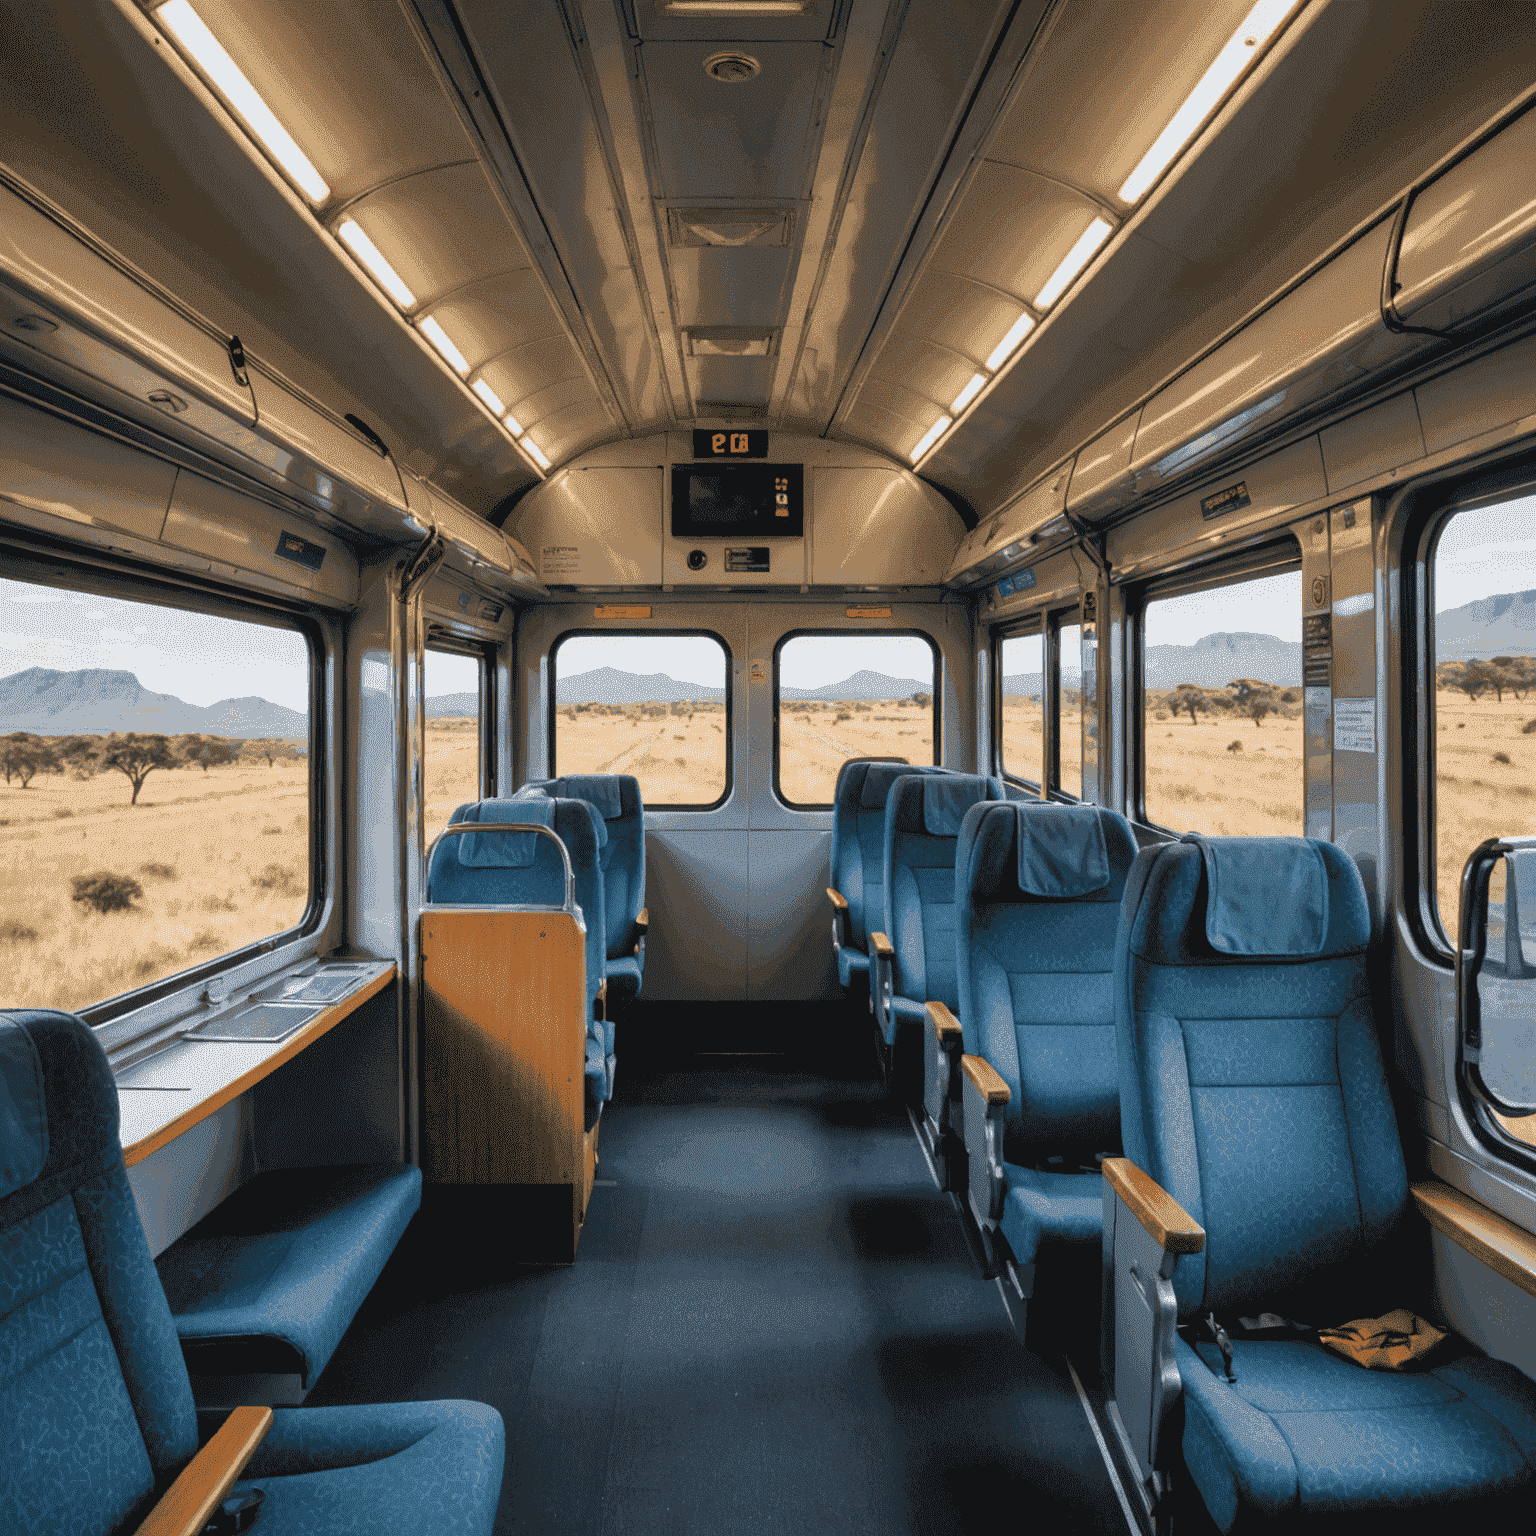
[522, 829]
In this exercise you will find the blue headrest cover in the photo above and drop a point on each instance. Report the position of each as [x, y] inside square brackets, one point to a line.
[880, 776]
[947, 799]
[597, 789]
[1062, 852]
[505, 850]
[1265, 896]
[23, 1117]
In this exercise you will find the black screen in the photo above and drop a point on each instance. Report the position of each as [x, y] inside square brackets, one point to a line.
[735, 500]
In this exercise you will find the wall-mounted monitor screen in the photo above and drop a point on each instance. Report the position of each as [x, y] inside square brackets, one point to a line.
[738, 501]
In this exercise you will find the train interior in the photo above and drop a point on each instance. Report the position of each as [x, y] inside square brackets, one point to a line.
[766, 765]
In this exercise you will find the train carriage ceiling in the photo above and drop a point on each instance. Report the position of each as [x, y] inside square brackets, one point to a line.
[527, 227]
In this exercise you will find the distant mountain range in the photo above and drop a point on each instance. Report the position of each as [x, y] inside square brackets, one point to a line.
[1502, 625]
[610, 685]
[452, 705]
[98, 700]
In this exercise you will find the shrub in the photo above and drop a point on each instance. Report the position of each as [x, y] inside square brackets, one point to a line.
[218, 904]
[1529, 728]
[1234, 746]
[105, 892]
[1501, 757]
[60, 812]
[206, 941]
[271, 831]
[16, 933]
[158, 871]
[279, 879]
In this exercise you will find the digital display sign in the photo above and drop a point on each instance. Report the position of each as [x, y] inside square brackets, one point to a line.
[729, 444]
[738, 501]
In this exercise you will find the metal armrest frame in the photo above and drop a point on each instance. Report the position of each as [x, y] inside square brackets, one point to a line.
[1145, 1232]
[939, 1126]
[984, 1100]
[882, 983]
[839, 921]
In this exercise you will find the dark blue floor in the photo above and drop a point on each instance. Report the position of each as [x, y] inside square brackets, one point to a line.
[773, 1324]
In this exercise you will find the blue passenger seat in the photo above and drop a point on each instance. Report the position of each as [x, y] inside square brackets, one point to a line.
[858, 856]
[616, 798]
[96, 1411]
[923, 814]
[1254, 1093]
[1037, 896]
[508, 870]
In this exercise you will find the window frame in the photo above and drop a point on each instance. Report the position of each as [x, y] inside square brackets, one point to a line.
[551, 709]
[133, 582]
[846, 634]
[1055, 621]
[1019, 629]
[1275, 557]
[447, 643]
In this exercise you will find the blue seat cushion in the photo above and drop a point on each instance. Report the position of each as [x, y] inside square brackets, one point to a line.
[271, 1279]
[626, 973]
[433, 1469]
[850, 963]
[1046, 1207]
[1304, 1434]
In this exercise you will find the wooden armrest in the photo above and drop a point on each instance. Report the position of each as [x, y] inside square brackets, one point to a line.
[984, 1078]
[945, 1024]
[882, 946]
[1170, 1225]
[643, 921]
[1493, 1240]
[188, 1504]
[837, 899]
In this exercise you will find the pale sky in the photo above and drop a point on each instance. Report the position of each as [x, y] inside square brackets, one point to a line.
[1484, 551]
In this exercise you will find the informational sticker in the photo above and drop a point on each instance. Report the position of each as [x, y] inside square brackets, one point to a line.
[1230, 499]
[559, 563]
[303, 552]
[758, 672]
[1319, 702]
[622, 611]
[1354, 725]
[1317, 650]
[868, 613]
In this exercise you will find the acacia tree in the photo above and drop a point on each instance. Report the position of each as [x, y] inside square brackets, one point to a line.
[1190, 699]
[25, 756]
[1255, 698]
[208, 751]
[136, 755]
[81, 753]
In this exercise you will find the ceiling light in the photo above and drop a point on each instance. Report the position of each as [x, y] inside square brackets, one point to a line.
[512, 424]
[194, 36]
[439, 339]
[372, 258]
[969, 393]
[1074, 262]
[1242, 49]
[930, 437]
[489, 395]
[1016, 333]
[735, 7]
[535, 453]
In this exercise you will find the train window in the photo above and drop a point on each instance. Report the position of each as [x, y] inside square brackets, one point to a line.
[1222, 726]
[653, 705]
[1483, 575]
[1067, 696]
[1021, 736]
[157, 796]
[455, 750]
[839, 695]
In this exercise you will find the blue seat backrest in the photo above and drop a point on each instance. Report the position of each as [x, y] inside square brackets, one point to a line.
[923, 814]
[616, 798]
[858, 839]
[1252, 1085]
[1037, 906]
[508, 869]
[96, 1410]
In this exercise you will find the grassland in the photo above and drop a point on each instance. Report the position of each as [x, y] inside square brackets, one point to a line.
[451, 770]
[676, 751]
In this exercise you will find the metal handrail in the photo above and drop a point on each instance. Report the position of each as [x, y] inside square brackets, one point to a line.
[520, 827]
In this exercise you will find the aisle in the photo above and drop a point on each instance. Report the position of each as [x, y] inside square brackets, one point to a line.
[773, 1325]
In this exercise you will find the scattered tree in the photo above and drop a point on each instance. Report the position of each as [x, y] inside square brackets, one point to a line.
[1255, 698]
[1191, 699]
[136, 755]
[207, 751]
[26, 756]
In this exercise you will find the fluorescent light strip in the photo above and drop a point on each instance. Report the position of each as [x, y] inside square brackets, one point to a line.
[1006, 347]
[512, 424]
[372, 258]
[734, 7]
[535, 452]
[193, 35]
[439, 339]
[969, 393]
[1074, 262]
[1244, 46]
[489, 396]
[930, 437]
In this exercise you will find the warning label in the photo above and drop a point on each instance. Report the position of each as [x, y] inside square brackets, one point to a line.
[559, 563]
[1354, 725]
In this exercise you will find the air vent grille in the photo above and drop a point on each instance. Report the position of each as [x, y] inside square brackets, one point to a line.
[728, 228]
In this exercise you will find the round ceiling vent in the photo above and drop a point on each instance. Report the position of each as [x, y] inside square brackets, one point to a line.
[731, 68]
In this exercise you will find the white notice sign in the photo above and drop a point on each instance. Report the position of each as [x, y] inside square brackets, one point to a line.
[559, 563]
[1354, 725]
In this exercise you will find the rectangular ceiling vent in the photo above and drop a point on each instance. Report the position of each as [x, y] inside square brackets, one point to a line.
[731, 341]
[728, 228]
[735, 7]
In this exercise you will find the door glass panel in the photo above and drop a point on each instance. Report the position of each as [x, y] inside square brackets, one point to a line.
[451, 769]
[842, 696]
[1222, 723]
[1070, 728]
[1023, 683]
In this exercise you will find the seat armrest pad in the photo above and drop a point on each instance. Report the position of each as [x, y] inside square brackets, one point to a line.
[945, 1025]
[1166, 1221]
[1506, 1249]
[643, 921]
[984, 1078]
[188, 1504]
[882, 946]
[838, 900]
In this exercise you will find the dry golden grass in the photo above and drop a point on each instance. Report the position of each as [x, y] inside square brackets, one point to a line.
[451, 770]
[816, 739]
[222, 858]
[676, 751]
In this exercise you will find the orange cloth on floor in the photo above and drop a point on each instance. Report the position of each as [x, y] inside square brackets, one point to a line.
[1389, 1343]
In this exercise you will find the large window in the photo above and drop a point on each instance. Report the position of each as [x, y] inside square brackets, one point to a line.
[1021, 715]
[1222, 719]
[843, 695]
[455, 750]
[156, 806]
[652, 705]
[1069, 708]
